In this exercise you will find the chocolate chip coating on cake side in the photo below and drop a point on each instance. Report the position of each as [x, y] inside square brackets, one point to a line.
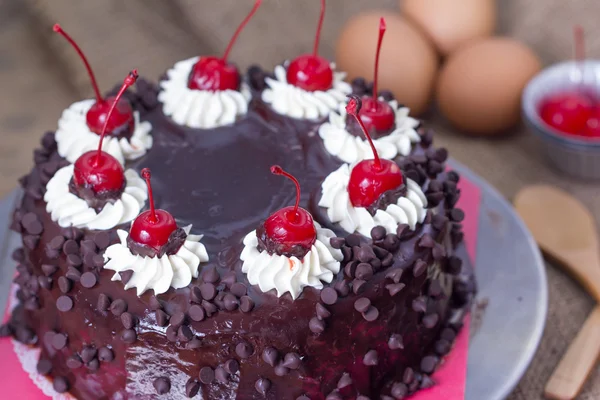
[379, 329]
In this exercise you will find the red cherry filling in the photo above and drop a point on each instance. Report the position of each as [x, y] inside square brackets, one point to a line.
[121, 122]
[309, 71]
[214, 73]
[377, 115]
[291, 228]
[153, 227]
[371, 178]
[566, 112]
[592, 126]
[97, 169]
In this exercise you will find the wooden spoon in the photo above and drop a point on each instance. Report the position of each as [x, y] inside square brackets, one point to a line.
[565, 231]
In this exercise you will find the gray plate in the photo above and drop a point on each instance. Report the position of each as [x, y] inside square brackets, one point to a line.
[511, 278]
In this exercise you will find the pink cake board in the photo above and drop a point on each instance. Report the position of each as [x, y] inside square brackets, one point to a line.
[450, 377]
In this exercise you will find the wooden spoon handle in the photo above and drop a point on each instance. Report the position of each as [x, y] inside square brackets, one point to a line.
[577, 363]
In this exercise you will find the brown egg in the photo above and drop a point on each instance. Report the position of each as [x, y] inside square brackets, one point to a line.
[451, 23]
[479, 88]
[408, 62]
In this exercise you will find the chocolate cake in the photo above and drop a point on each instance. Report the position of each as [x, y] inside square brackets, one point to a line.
[227, 290]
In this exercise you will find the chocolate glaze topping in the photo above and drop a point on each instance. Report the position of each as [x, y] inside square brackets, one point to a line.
[377, 331]
[97, 201]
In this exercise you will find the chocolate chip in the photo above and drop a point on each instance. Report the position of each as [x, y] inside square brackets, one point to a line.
[394, 274]
[391, 242]
[192, 387]
[208, 291]
[32, 304]
[292, 361]
[56, 243]
[154, 303]
[221, 375]
[74, 362]
[88, 280]
[371, 314]
[388, 260]
[74, 260]
[371, 358]
[408, 376]
[419, 305]
[439, 221]
[322, 312]
[442, 347]
[316, 325]
[342, 288]
[453, 176]
[426, 241]
[435, 289]
[344, 381]
[434, 167]
[430, 320]
[270, 355]
[24, 335]
[438, 252]
[380, 252]
[195, 343]
[162, 385]
[238, 289]
[206, 375]
[399, 390]
[98, 261]
[129, 336]
[395, 342]
[49, 269]
[64, 303]
[457, 215]
[244, 350]
[73, 274]
[93, 365]
[60, 384]
[103, 301]
[88, 246]
[350, 268]
[361, 305]
[232, 366]
[31, 241]
[209, 308]
[358, 286]
[126, 276]
[280, 370]
[395, 288]
[70, 247]
[365, 254]
[210, 276]
[196, 313]
[334, 396]
[59, 341]
[329, 296]
[448, 334]
[128, 320]
[364, 271]
[48, 338]
[419, 268]
[347, 253]
[378, 233]
[402, 230]
[231, 302]
[105, 354]
[177, 319]
[44, 366]
[184, 333]
[32, 224]
[45, 282]
[353, 239]
[262, 386]
[428, 364]
[229, 279]
[102, 240]
[426, 382]
[246, 304]
[337, 242]
[453, 266]
[118, 307]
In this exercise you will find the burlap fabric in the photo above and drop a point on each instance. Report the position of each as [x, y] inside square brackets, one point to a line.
[40, 75]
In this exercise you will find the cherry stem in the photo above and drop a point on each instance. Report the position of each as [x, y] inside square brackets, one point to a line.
[319, 26]
[129, 80]
[147, 175]
[579, 39]
[57, 28]
[353, 108]
[376, 74]
[239, 29]
[277, 170]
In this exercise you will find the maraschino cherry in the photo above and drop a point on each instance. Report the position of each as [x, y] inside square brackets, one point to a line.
[215, 73]
[377, 115]
[290, 227]
[309, 71]
[152, 227]
[121, 121]
[569, 111]
[97, 169]
[370, 178]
